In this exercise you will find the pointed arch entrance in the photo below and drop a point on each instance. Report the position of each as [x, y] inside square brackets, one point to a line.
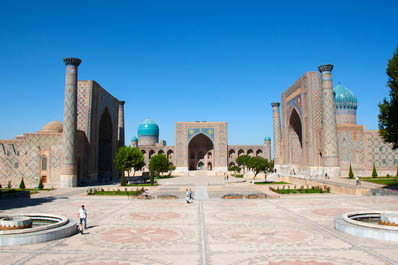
[295, 134]
[105, 135]
[200, 145]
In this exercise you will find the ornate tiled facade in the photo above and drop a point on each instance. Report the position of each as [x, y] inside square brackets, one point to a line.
[321, 137]
[50, 153]
[201, 146]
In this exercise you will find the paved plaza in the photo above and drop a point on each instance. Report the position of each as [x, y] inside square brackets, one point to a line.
[291, 229]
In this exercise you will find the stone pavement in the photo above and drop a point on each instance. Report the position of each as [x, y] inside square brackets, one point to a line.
[293, 229]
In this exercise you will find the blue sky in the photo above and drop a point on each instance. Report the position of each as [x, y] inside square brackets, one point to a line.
[190, 60]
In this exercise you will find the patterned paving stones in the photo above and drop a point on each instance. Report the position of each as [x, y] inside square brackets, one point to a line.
[295, 229]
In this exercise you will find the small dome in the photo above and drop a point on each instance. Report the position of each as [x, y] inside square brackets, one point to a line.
[134, 139]
[53, 126]
[148, 127]
[344, 98]
[267, 139]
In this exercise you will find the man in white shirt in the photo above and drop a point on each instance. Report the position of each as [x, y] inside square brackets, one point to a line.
[82, 215]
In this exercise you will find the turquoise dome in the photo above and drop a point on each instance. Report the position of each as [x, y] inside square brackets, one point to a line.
[134, 139]
[344, 98]
[267, 139]
[148, 127]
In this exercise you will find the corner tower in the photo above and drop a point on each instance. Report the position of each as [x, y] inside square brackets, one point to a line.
[329, 131]
[68, 176]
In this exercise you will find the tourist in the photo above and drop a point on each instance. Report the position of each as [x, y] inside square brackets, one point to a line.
[357, 180]
[326, 175]
[187, 196]
[147, 193]
[190, 194]
[227, 176]
[82, 215]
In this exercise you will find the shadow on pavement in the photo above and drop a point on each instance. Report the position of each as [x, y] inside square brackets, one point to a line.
[23, 202]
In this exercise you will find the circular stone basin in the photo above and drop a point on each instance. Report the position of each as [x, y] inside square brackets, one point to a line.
[44, 227]
[389, 218]
[17, 222]
[368, 224]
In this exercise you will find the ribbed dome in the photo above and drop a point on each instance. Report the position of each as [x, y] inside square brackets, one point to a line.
[267, 139]
[134, 139]
[53, 126]
[344, 98]
[148, 127]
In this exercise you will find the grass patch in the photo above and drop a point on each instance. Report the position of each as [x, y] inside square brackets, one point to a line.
[141, 185]
[270, 183]
[381, 180]
[301, 190]
[117, 192]
[32, 191]
[237, 175]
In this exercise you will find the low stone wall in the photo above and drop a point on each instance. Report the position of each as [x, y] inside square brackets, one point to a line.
[335, 187]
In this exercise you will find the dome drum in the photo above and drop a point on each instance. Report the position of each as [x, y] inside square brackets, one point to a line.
[346, 105]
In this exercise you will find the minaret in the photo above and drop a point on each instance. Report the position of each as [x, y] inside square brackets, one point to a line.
[267, 143]
[68, 176]
[277, 132]
[120, 135]
[329, 129]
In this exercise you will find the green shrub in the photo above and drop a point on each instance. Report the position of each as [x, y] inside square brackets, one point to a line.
[22, 184]
[41, 185]
[351, 174]
[123, 181]
[374, 172]
[388, 175]
[9, 186]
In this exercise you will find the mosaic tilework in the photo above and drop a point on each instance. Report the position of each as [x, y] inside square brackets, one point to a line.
[22, 158]
[277, 133]
[379, 152]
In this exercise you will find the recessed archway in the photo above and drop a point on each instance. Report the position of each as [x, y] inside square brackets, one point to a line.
[200, 145]
[105, 134]
[295, 136]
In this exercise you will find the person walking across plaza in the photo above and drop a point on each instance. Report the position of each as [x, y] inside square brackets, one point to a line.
[82, 215]
[190, 194]
[187, 196]
[356, 180]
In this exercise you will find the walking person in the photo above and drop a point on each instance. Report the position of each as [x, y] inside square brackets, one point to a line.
[190, 195]
[82, 215]
[356, 180]
[187, 196]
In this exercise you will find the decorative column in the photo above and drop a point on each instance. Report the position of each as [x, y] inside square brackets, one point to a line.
[120, 135]
[267, 143]
[68, 174]
[277, 132]
[329, 129]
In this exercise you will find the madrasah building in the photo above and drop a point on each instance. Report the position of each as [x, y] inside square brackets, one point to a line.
[316, 134]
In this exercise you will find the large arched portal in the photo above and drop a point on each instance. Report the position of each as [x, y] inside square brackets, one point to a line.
[105, 147]
[295, 139]
[200, 145]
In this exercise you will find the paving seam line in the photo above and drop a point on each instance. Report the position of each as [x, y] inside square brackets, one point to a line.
[202, 233]
[333, 233]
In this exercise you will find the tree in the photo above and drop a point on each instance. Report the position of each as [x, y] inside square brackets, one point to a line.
[374, 172]
[234, 168]
[137, 159]
[128, 158]
[388, 117]
[259, 164]
[242, 161]
[158, 164]
[22, 184]
[171, 168]
[123, 159]
[351, 174]
[41, 185]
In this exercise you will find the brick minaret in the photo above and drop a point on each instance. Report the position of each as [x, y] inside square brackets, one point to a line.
[329, 131]
[68, 173]
[121, 124]
[277, 132]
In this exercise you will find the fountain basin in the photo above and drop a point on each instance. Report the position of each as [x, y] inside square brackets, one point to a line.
[366, 224]
[45, 227]
[14, 223]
